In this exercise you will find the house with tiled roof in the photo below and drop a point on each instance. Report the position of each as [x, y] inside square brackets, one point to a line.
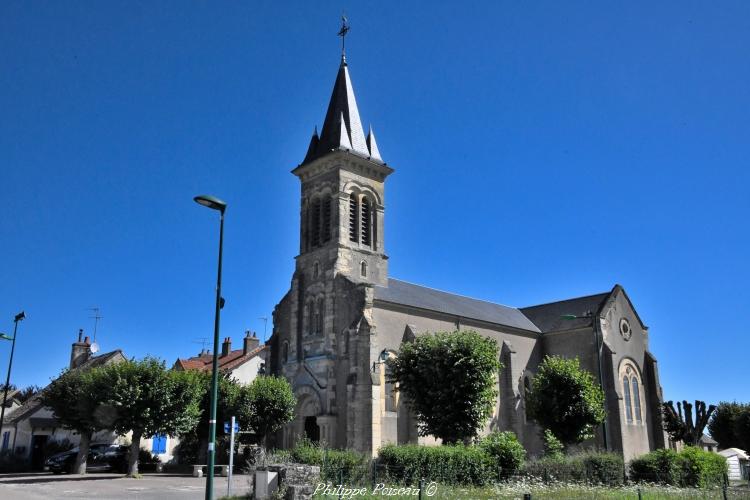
[31, 426]
[242, 364]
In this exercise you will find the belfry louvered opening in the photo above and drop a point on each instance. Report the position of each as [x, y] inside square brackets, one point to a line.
[319, 222]
[366, 222]
[315, 223]
[353, 209]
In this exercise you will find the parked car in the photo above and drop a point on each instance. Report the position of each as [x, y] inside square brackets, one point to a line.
[102, 457]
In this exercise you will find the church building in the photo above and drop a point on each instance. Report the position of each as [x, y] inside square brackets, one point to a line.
[344, 315]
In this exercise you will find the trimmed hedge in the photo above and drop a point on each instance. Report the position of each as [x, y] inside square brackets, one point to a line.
[590, 468]
[448, 464]
[335, 465]
[692, 467]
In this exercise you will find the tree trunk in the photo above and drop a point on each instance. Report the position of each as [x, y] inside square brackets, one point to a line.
[135, 448]
[79, 467]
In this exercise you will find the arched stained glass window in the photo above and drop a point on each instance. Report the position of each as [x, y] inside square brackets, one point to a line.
[636, 398]
[628, 401]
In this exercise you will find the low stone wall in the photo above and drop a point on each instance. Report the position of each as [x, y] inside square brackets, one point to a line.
[298, 479]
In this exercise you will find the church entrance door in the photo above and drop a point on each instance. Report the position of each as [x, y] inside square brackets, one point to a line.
[312, 431]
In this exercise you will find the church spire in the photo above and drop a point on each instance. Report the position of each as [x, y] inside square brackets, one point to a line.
[342, 128]
[342, 119]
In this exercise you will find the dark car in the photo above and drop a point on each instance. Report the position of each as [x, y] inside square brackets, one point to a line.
[101, 458]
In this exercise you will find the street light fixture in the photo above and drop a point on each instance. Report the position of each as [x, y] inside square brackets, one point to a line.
[597, 338]
[215, 204]
[19, 317]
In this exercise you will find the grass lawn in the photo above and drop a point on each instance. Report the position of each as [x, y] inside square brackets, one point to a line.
[559, 492]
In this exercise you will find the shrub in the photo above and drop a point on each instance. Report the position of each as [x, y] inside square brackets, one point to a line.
[702, 468]
[553, 447]
[660, 466]
[590, 468]
[448, 464]
[692, 467]
[506, 452]
[14, 462]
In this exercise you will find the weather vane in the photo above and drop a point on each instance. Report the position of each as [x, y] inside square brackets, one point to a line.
[342, 33]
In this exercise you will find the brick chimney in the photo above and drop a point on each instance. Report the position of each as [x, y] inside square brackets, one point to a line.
[226, 346]
[81, 352]
[249, 343]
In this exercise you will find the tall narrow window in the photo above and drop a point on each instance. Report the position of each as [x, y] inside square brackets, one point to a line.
[315, 223]
[366, 222]
[326, 220]
[636, 399]
[628, 401]
[363, 269]
[353, 218]
[321, 315]
[6, 439]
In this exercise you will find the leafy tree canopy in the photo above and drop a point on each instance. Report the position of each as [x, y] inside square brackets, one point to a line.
[449, 381]
[565, 399]
[271, 403]
[75, 398]
[723, 423]
[147, 399]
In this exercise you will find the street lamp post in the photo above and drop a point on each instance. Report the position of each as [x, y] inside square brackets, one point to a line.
[597, 337]
[19, 317]
[215, 204]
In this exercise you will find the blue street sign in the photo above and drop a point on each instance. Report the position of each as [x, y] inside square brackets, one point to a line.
[236, 427]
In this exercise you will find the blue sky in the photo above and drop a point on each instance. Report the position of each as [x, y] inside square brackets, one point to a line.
[542, 151]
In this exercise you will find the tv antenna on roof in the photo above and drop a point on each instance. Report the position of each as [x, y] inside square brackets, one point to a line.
[96, 317]
[202, 341]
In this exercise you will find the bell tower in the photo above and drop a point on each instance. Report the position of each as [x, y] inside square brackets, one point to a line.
[342, 195]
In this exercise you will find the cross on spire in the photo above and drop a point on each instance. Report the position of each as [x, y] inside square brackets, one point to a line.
[342, 33]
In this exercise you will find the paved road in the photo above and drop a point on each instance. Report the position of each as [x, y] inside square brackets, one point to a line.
[46, 486]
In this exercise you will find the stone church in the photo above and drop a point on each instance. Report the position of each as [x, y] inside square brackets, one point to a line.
[344, 315]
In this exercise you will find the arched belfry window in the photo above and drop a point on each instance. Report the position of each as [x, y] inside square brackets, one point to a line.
[326, 222]
[353, 218]
[366, 225]
[319, 221]
[315, 223]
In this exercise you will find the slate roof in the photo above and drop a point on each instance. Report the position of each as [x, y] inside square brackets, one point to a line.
[548, 317]
[342, 127]
[409, 294]
[229, 362]
[32, 404]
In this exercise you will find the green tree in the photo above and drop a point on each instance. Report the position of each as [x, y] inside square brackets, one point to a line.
[231, 402]
[75, 398]
[565, 399]
[723, 422]
[271, 403]
[148, 400]
[742, 429]
[449, 381]
[679, 424]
